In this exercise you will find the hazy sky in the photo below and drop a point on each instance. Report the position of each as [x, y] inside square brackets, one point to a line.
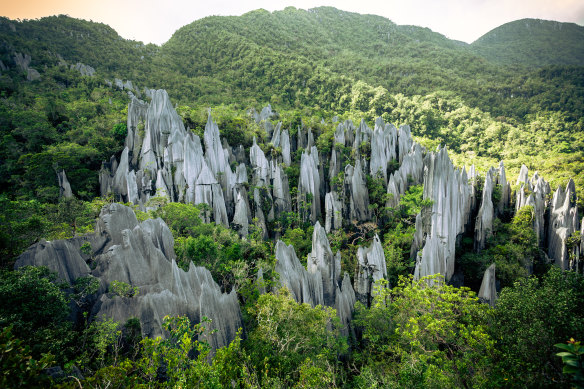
[156, 20]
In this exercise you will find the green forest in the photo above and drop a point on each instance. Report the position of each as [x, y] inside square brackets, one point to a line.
[490, 101]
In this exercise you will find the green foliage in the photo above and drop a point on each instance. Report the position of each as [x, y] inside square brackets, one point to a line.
[553, 309]
[513, 247]
[301, 239]
[573, 359]
[119, 132]
[37, 309]
[18, 367]
[173, 354]
[426, 333]
[290, 339]
[396, 247]
[123, 289]
[83, 288]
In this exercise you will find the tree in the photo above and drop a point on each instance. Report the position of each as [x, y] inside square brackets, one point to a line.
[530, 318]
[289, 334]
[427, 333]
[37, 309]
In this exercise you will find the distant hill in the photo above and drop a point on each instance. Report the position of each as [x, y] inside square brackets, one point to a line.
[323, 58]
[533, 43]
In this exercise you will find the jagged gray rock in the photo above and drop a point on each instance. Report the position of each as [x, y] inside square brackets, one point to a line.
[308, 286]
[280, 191]
[84, 70]
[505, 187]
[285, 145]
[488, 290]
[383, 148]
[405, 141]
[372, 268]
[217, 160]
[523, 176]
[277, 136]
[63, 257]
[334, 212]
[259, 164]
[142, 255]
[344, 304]
[305, 287]
[208, 191]
[241, 216]
[23, 62]
[486, 215]
[64, 186]
[309, 183]
[135, 126]
[563, 222]
[356, 192]
[534, 193]
[194, 162]
[450, 193]
[321, 259]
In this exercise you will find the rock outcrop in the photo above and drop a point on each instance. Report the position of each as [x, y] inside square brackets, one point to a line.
[372, 268]
[142, 255]
[84, 70]
[320, 283]
[64, 186]
[534, 193]
[383, 148]
[305, 287]
[23, 62]
[356, 194]
[333, 210]
[563, 222]
[450, 193]
[484, 223]
[321, 260]
[488, 290]
[309, 184]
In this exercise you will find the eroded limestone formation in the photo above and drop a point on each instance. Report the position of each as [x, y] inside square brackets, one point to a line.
[484, 223]
[142, 255]
[563, 222]
[321, 282]
[450, 193]
[488, 290]
[372, 268]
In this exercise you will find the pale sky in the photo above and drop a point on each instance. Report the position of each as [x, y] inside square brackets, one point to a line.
[154, 21]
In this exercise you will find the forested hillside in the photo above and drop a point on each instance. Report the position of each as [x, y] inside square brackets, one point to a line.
[303, 198]
[533, 43]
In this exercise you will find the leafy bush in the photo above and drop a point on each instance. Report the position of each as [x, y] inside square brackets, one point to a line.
[122, 289]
